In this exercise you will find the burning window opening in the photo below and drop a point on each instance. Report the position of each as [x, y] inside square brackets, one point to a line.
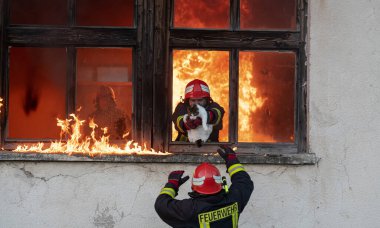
[266, 96]
[266, 90]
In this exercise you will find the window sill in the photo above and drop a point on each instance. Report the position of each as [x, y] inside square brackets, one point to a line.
[272, 159]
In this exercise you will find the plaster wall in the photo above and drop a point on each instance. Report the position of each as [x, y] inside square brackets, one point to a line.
[342, 190]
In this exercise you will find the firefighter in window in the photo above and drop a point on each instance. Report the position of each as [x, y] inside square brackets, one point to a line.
[107, 114]
[212, 203]
[197, 92]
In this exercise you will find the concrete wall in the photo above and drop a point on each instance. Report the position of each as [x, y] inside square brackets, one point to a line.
[344, 131]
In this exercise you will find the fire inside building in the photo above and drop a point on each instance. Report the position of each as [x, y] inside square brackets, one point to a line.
[81, 76]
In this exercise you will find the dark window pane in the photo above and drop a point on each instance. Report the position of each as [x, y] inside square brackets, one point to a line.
[105, 13]
[268, 14]
[37, 92]
[202, 13]
[44, 12]
[209, 66]
[266, 96]
[104, 89]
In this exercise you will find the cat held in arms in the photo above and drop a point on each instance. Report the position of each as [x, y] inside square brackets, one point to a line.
[200, 134]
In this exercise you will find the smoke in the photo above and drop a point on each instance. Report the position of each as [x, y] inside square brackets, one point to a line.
[31, 99]
[37, 91]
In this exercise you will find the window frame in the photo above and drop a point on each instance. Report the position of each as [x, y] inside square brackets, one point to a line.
[253, 40]
[153, 38]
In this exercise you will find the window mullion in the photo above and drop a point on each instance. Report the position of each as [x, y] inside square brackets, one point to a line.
[235, 14]
[160, 72]
[71, 80]
[71, 7]
[233, 96]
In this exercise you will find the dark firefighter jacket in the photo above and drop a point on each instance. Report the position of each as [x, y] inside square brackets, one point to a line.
[181, 110]
[220, 210]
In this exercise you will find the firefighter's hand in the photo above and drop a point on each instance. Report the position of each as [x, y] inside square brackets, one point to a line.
[228, 154]
[176, 179]
[197, 122]
[192, 124]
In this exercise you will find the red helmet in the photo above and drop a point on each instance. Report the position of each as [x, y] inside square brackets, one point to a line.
[197, 89]
[206, 179]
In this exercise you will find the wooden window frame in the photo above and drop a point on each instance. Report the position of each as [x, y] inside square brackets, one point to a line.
[233, 40]
[153, 38]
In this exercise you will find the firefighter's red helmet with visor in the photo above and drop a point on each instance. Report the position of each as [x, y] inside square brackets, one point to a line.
[197, 89]
[206, 179]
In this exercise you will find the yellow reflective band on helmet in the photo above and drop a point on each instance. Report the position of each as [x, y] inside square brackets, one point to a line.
[208, 217]
[235, 168]
[219, 116]
[168, 191]
[178, 125]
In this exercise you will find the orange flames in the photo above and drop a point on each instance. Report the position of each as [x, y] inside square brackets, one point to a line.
[77, 143]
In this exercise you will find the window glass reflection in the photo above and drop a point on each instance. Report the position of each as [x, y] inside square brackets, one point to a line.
[104, 90]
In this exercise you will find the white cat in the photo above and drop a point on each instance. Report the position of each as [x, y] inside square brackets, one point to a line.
[202, 132]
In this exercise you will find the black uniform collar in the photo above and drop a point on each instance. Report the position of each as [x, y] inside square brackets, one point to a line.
[216, 196]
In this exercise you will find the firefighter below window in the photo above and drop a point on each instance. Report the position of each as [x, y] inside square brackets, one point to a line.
[212, 203]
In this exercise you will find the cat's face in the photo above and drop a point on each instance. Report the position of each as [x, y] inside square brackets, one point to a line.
[193, 111]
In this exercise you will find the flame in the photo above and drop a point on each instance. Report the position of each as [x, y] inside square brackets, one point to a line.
[249, 102]
[1, 103]
[202, 13]
[77, 143]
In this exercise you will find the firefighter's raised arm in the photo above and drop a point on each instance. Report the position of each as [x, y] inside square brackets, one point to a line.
[169, 209]
[242, 185]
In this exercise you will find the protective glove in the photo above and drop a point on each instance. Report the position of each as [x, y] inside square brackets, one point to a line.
[192, 124]
[175, 180]
[197, 122]
[228, 155]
